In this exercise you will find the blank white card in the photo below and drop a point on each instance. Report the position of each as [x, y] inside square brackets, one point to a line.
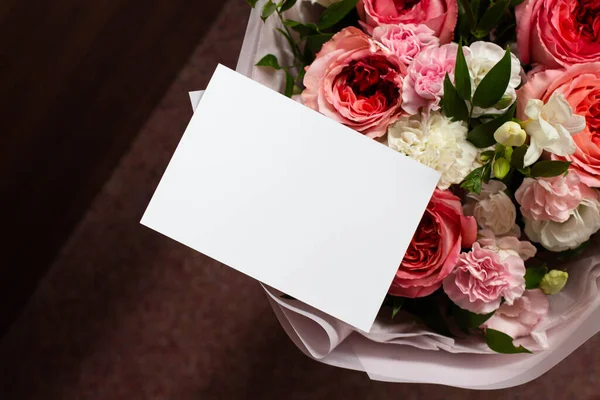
[291, 198]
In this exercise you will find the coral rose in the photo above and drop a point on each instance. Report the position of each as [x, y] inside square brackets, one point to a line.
[439, 15]
[580, 85]
[357, 82]
[558, 33]
[435, 247]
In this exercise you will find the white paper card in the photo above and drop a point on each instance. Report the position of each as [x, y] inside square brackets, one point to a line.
[291, 198]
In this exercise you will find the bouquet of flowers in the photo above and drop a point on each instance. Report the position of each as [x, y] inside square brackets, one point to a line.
[503, 99]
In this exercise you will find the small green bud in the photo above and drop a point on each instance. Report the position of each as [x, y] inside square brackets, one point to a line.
[501, 168]
[554, 281]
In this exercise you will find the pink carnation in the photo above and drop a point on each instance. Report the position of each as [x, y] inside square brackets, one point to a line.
[406, 40]
[482, 278]
[356, 82]
[439, 15]
[424, 84]
[552, 199]
[520, 318]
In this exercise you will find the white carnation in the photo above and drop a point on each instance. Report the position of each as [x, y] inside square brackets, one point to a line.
[492, 208]
[481, 57]
[561, 236]
[436, 142]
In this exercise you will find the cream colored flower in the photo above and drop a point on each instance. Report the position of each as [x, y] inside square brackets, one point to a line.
[492, 208]
[550, 126]
[435, 141]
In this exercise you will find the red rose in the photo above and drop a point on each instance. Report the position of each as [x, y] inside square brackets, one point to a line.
[435, 247]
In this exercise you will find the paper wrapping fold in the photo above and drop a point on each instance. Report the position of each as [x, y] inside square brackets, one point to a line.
[404, 351]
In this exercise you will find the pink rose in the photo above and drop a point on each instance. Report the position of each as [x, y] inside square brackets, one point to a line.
[552, 199]
[356, 82]
[435, 246]
[424, 84]
[483, 277]
[520, 318]
[558, 33]
[439, 15]
[580, 84]
[406, 40]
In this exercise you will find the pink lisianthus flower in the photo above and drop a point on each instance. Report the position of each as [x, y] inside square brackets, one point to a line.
[439, 15]
[483, 277]
[357, 82]
[552, 199]
[406, 40]
[423, 86]
[520, 318]
[435, 247]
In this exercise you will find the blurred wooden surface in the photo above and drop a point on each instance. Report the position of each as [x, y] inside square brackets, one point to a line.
[78, 79]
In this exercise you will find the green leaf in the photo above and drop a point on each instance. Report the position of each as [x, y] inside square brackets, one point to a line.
[461, 75]
[500, 342]
[315, 42]
[290, 41]
[336, 12]
[302, 29]
[468, 320]
[468, 13]
[518, 156]
[268, 9]
[515, 3]
[534, 275]
[548, 169]
[269, 61]
[493, 85]
[491, 18]
[454, 106]
[472, 182]
[289, 84]
[252, 3]
[286, 5]
[397, 303]
[568, 254]
[463, 27]
[483, 135]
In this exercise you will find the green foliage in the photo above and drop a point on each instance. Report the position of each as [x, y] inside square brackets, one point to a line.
[518, 156]
[500, 342]
[483, 135]
[302, 29]
[534, 275]
[252, 3]
[477, 177]
[285, 5]
[454, 106]
[493, 86]
[397, 303]
[289, 84]
[468, 320]
[335, 13]
[461, 75]
[269, 60]
[268, 9]
[490, 18]
[548, 169]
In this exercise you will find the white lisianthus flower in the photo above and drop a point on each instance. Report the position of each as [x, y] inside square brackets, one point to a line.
[481, 58]
[435, 141]
[492, 208]
[561, 236]
[550, 126]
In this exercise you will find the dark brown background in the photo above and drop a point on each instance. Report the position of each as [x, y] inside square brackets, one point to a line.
[94, 101]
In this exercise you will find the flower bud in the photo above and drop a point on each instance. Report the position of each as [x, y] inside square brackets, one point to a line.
[510, 133]
[501, 168]
[554, 281]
